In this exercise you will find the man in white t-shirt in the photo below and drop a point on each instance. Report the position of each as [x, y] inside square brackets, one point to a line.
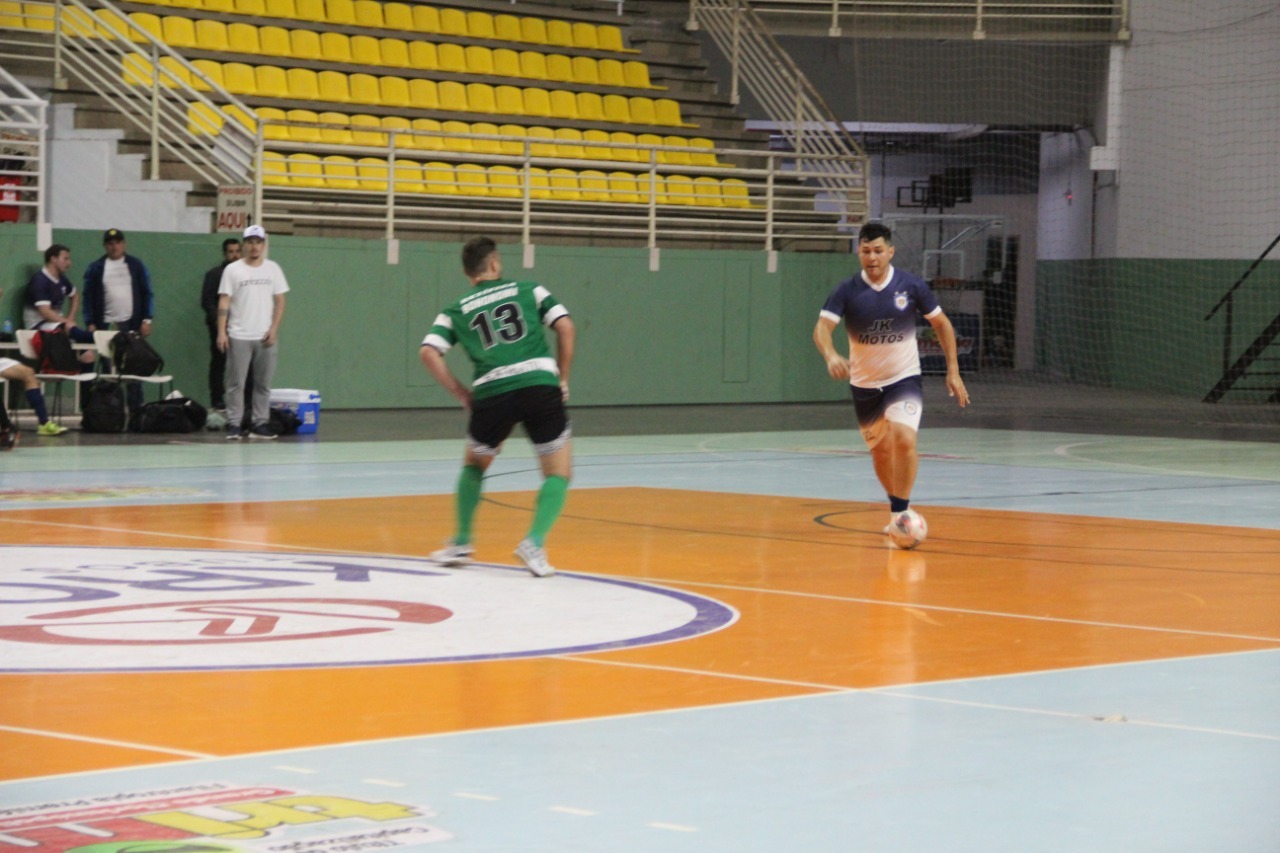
[118, 295]
[250, 308]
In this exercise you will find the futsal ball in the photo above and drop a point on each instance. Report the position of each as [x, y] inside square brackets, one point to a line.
[908, 529]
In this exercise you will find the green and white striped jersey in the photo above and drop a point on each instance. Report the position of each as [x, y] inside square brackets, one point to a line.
[500, 326]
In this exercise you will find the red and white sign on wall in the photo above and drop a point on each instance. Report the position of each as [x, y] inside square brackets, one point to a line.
[235, 205]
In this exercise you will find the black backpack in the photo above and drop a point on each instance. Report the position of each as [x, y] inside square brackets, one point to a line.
[134, 356]
[102, 407]
[54, 353]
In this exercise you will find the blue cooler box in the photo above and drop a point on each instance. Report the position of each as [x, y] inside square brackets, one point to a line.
[305, 404]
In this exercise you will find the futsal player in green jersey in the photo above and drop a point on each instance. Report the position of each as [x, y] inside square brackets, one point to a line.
[499, 324]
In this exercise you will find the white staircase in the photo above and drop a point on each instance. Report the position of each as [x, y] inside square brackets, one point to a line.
[93, 185]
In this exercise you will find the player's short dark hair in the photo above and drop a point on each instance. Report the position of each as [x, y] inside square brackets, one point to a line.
[53, 251]
[475, 254]
[228, 242]
[873, 231]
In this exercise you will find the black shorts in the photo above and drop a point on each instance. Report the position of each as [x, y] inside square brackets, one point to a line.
[540, 408]
[870, 403]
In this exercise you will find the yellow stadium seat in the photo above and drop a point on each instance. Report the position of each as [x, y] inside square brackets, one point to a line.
[239, 78]
[409, 177]
[40, 16]
[667, 112]
[398, 16]
[275, 168]
[679, 189]
[426, 19]
[287, 9]
[335, 128]
[179, 32]
[485, 146]
[481, 98]
[367, 130]
[506, 63]
[507, 28]
[706, 156]
[341, 12]
[11, 15]
[184, 4]
[422, 56]
[252, 8]
[453, 96]
[570, 147]
[219, 5]
[309, 10]
[268, 117]
[210, 35]
[369, 13]
[472, 179]
[243, 38]
[202, 119]
[394, 92]
[424, 94]
[534, 30]
[564, 185]
[611, 72]
[513, 145]
[533, 65]
[636, 74]
[76, 22]
[480, 25]
[395, 52]
[428, 134]
[649, 142]
[305, 170]
[439, 178]
[559, 68]
[211, 69]
[364, 89]
[340, 173]
[365, 50]
[586, 71]
[617, 109]
[627, 152]
[147, 22]
[596, 152]
[453, 22]
[642, 110]
[304, 125]
[564, 104]
[397, 124]
[593, 185]
[609, 37]
[335, 47]
[248, 120]
[504, 182]
[452, 58]
[541, 149]
[559, 33]
[174, 72]
[539, 182]
[510, 100]
[271, 81]
[676, 158]
[624, 188]
[479, 59]
[537, 102]
[373, 173]
[274, 41]
[707, 192]
[584, 36]
[334, 86]
[110, 23]
[304, 84]
[456, 135]
[590, 106]
[734, 193]
[305, 44]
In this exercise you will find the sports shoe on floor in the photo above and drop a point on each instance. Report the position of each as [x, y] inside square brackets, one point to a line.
[8, 438]
[534, 559]
[233, 433]
[50, 428]
[453, 555]
[262, 432]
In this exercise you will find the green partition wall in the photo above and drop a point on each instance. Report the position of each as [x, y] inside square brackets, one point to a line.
[708, 327]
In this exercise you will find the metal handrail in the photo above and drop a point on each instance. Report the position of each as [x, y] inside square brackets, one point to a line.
[23, 128]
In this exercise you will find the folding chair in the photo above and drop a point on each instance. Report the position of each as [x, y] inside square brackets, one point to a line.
[27, 349]
[102, 343]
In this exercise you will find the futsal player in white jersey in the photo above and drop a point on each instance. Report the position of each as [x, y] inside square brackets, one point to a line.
[879, 308]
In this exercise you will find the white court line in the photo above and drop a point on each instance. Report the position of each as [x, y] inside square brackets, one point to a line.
[108, 742]
[757, 679]
[571, 810]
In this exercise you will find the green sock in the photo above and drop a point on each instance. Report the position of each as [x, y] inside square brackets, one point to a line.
[547, 509]
[466, 501]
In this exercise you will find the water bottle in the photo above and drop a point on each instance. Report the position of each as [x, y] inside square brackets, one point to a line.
[7, 329]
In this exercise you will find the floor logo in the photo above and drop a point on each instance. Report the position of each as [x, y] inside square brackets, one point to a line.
[86, 609]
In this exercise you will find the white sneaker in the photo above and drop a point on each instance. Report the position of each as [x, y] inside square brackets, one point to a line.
[534, 559]
[453, 555]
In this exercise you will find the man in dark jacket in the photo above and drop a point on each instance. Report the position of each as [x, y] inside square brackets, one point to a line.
[117, 294]
[209, 302]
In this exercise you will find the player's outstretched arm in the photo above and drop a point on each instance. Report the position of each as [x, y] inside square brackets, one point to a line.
[837, 365]
[947, 338]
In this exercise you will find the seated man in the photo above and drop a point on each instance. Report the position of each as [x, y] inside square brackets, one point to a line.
[51, 301]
